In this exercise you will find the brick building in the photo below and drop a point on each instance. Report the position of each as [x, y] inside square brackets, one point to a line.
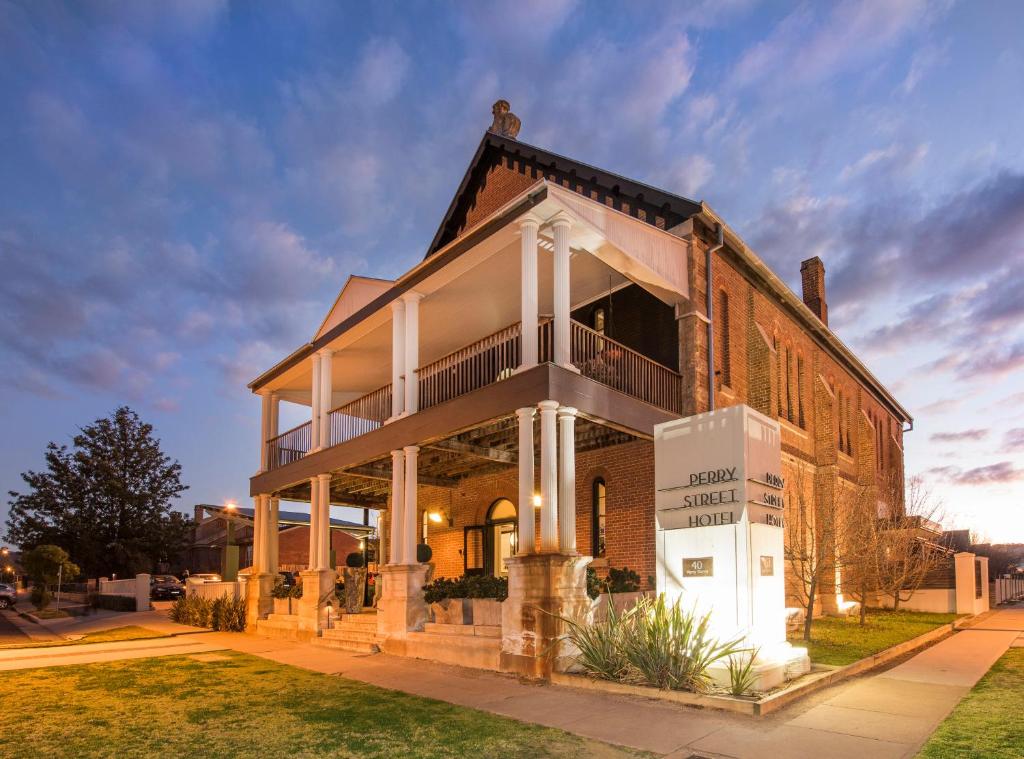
[564, 311]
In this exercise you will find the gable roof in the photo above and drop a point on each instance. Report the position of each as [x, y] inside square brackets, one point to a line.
[658, 207]
[355, 293]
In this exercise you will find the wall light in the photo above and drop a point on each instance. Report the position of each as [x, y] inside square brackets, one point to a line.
[230, 505]
[438, 516]
[536, 501]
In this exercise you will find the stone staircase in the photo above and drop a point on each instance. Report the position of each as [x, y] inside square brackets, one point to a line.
[352, 632]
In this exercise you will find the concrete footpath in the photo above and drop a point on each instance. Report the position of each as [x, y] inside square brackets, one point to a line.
[888, 714]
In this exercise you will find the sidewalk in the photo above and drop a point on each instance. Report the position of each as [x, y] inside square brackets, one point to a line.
[889, 714]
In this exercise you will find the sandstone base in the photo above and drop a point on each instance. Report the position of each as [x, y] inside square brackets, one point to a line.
[258, 601]
[542, 589]
[401, 608]
[317, 587]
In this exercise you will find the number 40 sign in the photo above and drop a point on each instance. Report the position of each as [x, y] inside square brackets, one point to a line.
[699, 567]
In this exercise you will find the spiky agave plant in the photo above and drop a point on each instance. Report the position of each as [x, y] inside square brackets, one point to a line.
[599, 644]
[741, 671]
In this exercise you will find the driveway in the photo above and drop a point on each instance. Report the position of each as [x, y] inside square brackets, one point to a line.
[9, 632]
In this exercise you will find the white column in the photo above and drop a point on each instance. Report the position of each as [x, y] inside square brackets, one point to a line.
[567, 479]
[411, 512]
[326, 395]
[548, 476]
[397, 357]
[272, 532]
[315, 397]
[314, 523]
[527, 541]
[528, 288]
[259, 534]
[266, 412]
[325, 521]
[397, 520]
[275, 414]
[563, 353]
[412, 350]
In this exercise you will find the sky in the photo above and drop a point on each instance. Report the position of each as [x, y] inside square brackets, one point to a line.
[185, 186]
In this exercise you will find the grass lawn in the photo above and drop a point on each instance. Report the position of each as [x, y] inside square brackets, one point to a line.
[50, 613]
[236, 705]
[842, 640]
[129, 632]
[988, 722]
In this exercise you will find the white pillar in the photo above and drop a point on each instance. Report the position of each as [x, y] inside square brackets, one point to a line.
[528, 229]
[397, 521]
[273, 531]
[325, 521]
[275, 414]
[527, 540]
[259, 534]
[548, 476]
[411, 512]
[397, 357]
[315, 397]
[314, 523]
[326, 396]
[567, 479]
[412, 350]
[266, 412]
[563, 352]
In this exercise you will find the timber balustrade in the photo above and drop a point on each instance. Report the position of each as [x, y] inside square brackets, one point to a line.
[482, 363]
[485, 362]
[360, 416]
[289, 446]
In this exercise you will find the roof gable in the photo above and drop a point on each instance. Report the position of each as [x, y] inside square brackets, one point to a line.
[503, 167]
[356, 293]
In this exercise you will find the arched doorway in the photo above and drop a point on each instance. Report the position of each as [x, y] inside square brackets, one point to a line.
[487, 546]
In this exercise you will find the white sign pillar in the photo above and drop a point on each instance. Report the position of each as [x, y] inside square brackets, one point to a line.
[719, 532]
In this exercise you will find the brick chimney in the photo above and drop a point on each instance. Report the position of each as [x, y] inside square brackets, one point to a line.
[812, 277]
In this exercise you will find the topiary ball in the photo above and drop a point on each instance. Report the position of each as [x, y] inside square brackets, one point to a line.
[354, 560]
[424, 553]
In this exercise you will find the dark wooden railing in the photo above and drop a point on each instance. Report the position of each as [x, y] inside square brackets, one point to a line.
[360, 416]
[289, 446]
[482, 363]
[624, 369]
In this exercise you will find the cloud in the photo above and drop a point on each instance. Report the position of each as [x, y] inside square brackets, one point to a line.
[924, 61]
[941, 406]
[954, 437]
[1013, 440]
[1001, 473]
[895, 159]
[382, 70]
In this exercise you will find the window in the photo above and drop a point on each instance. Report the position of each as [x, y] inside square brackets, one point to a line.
[778, 373]
[789, 385]
[598, 532]
[800, 390]
[839, 417]
[723, 339]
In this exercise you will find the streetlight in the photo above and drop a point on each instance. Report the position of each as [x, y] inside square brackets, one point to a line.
[231, 507]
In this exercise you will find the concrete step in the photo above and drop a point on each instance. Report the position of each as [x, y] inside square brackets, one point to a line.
[464, 650]
[481, 631]
[364, 636]
[360, 647]
[362, 621]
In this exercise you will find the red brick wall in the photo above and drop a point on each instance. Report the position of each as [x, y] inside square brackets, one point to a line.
[293, 547]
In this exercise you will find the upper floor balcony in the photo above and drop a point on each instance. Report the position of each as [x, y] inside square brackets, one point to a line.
[553, 278]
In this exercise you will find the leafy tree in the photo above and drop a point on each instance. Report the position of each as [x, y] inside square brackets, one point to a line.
[107, 500]
[45, 564]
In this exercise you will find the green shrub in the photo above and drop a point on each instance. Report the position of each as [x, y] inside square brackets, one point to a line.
[40, 597]
[280, 590]
[623, 580]
[652, 644]
[354, 560]
[191, 610]
[741, 671]
[296, 591]
[113, 603]
[594, 583]
[222, 614]
[467, 586]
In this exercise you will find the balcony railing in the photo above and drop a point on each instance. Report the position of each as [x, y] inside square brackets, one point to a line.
[482, 363]
[289, 446]
[485, 362]
[360, 416]
[613, 364]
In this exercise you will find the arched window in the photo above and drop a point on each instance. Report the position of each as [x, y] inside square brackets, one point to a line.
[839, 417]
[599, 511]
[800, 390]
[789, 384]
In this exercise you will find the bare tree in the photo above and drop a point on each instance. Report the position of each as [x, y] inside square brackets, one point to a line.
[907, 549]
[813, 530]
[861, 546]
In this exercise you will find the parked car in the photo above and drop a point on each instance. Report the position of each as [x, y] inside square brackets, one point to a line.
[8, 596]
[206, 577]
[287, 579]
[165, 588]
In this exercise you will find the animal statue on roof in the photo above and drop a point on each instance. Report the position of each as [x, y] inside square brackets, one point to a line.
[505, 123]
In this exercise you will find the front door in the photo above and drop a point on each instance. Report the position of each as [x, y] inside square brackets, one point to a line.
[487, 547]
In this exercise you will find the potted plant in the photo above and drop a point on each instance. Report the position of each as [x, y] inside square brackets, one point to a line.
[355, 582]
[282, 596]
[467, 600]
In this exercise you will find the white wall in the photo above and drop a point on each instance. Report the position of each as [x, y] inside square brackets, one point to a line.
[212, 590]
[137, 588]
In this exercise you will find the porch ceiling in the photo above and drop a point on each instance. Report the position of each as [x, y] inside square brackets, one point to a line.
[485, 449]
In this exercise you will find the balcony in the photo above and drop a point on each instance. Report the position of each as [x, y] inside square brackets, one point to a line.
[485, 362]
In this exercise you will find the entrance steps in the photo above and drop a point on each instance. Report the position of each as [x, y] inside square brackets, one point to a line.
[283, 626]
[352, 632]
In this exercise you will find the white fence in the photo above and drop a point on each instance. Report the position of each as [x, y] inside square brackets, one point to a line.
[1007, 589]
[212, 590]
[137, 588]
